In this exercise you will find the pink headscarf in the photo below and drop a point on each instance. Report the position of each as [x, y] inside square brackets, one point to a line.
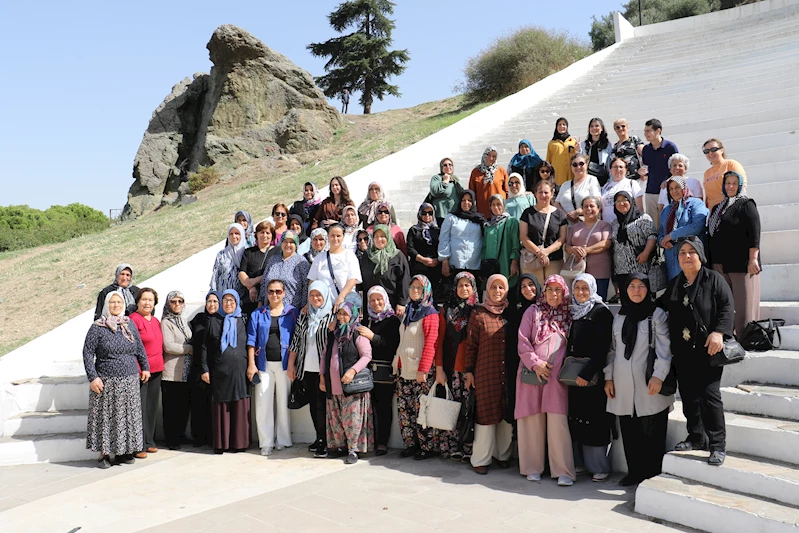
[496, 308]
[553, 319]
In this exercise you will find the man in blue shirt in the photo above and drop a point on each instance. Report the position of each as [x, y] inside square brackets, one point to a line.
[656, 170]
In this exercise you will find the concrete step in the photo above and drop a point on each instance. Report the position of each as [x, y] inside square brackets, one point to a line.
[780, 367]
[773, 286]
[790, 338]
[741, 473]
[773, 248]
[770, 193]
[50, 422]
[771, 438]
[60, 393]
[762, 400]
[788, 310]
[710, 509]
[45, 448]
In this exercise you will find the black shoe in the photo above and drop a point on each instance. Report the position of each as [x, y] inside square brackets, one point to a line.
[218, 451]
[687, 446]
[409, 452]
[321, 454]
[104, 462]
[351, 459]
[381, 450]
[314, 446]
[628, 481]
[126, 459]
[174, 447]
[421, 455]
[716, 458]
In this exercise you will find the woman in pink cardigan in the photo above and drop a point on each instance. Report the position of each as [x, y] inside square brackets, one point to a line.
[542, 410]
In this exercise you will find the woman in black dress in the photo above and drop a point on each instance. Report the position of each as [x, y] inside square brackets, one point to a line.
[253, 262]
[200, 390]
[422, 245]
[224, 362]
[384, 264]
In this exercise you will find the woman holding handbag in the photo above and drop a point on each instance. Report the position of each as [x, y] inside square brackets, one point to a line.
[542, 231]
[382, 331]
[541, 399]
[588, 248]
[590, 425]
[501, 246]
[640, 330]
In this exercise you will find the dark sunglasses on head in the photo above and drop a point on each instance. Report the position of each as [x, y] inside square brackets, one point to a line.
[578, 164]
[714, 149]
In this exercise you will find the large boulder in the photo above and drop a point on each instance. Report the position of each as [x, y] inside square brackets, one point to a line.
[255, 103]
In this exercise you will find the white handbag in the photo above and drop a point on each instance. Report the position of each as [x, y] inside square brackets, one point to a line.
[438, 413]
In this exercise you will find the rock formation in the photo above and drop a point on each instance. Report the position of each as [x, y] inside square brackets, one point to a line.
[255, 103]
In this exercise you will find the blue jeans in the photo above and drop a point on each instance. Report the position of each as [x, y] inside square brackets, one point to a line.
[602, 287]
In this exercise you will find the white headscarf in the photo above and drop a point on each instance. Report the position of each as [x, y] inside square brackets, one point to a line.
[579, 310]
[522, 190]
[234, 253]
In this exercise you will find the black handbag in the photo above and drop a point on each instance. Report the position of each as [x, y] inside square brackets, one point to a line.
[600, 172]
[299, 395]
[571, 370]
[758, 335]
[382, 372]
[465, 427]
[731, 351]
[362, 382]
[669, 386]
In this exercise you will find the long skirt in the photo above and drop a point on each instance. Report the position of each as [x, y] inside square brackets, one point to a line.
[644, 439]
[408, 392]
[448, 440]
[349, 422]
[230, 424]
[114, 417]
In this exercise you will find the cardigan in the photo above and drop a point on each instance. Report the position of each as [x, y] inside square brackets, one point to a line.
[386, 338]
[417, 347]
[98, 309]
[691, 220]
[299, 340]
[461, 243]
[417, 245]
[109, 354]
[447, 337]
[227, 369]
[177, 352]
[357, 354]
[152, 339]
[558, 154]
[738, 231]
[258, 333]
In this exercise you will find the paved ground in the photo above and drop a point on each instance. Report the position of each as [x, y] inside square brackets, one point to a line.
[177, 492]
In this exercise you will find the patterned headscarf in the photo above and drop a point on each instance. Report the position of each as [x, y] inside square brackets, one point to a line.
[459, 310]
[486, 169]
[387, 310]
[368, 207]
[418, 309]
[678, 206]
[632, 215]
[496, 308]
[315, 316]
[248, 233]
[107, 320]
[348, 230]
[579, 310]
[553, 319]
[230, 332]
[176, 318]
[234, 253]
[313, 202]
[497, 219]
[127, 296]
[423, 226]
[381, 257]
[715, 216]
[314, 234]
[344, 332]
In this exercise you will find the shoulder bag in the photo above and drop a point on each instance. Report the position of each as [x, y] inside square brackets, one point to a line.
[731, 352]
[362, 382]
[573, 267]
[669, 386]
[299, 395]
[466, 421]
[758, 335]
[530, 261]
[438, 413]
[332, 276]
[529, 377]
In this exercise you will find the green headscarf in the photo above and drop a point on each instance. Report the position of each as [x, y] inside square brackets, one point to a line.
[381, 257]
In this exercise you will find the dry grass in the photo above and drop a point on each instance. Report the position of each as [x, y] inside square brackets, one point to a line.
[41, 288]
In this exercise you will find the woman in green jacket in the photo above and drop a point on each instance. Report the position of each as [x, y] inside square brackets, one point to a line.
[445, 190]
[501, 243]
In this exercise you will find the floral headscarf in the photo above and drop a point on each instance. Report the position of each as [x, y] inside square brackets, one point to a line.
[381, 257]
[423, 226]
[313, 202]
[458, 310]
[422, 307]
[486, 169]
[314, 234]
[368, 207]
[387, 310]
[579, 310]
[553, 319]
[497, 219]
[349, 230]
[344, 332]
[676, 207]
[107, 320]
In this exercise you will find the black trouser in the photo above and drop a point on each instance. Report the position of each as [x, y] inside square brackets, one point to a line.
[175, 403]
[644, 439]
[200, 411]
[317, 406]
[382, 397]
[700, 392]
[149, 408]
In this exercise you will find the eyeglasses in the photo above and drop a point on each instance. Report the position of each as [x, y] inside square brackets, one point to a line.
[176, 302]
[228, 300]
[416, 288]
[374, 189]
[620, 127]
[621, 201]
[279, 214]
[447, 165]
[514, 183]
[688, 253]
[618, 167]
[383, 212]
[578, 164]
[714, 150]
[275, 291]
[430, 213]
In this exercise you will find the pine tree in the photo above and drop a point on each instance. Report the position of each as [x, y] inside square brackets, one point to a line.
[361, 61]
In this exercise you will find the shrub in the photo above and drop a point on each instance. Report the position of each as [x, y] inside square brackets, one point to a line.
[518, 60]
[204, 177]
[24, 227]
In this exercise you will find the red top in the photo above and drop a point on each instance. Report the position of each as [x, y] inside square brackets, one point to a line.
[430, 328]
[152, 338]
[460, 355]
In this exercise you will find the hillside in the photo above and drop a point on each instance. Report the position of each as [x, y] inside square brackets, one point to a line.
[40, 288]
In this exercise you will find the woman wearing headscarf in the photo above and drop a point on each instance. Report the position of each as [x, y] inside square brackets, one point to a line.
[337, 267]
[382, 331]
[123, 283]
[422, 244]
[384, 211]
[683, 217]
[226, 265]
[643, 412]
[590, 425]
[525, 161]
[149, 329]
[488, 354]
[486, 180]
[223, 357]
[244, 220]
[329, 211]
[318, 244]
[349, 416]
[308, 346]
[542, 410]
[501, 243]
[307, 207]
[269, 332]
[451, 356]
[112, 355]
[518, 197]
[296, 226]
[200, 391]
[363, 241]
[384, 265]
[701, 317]
[367, 211]
[253, 263]
[414, 366]
[460, 242]
[445, 190]
[634, 241]
[291, 269]
[175, 382]
[734, 228]
[351, 224]
[560, 150]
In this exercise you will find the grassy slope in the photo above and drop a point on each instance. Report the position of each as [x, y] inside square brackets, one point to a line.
[43, 287]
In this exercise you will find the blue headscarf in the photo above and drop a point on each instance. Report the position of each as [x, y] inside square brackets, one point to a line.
[527, 162]
[230, 333]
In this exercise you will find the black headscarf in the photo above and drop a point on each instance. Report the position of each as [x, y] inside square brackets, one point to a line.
[557, 136]
[632, 215]
[523, 302]
[634, 312]
[471, 215]
[301, 234]
[690, 290]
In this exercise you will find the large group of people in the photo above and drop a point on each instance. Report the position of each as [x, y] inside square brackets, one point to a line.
[499, 292]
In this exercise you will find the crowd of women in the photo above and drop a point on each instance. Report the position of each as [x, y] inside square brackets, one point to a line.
[332, 304]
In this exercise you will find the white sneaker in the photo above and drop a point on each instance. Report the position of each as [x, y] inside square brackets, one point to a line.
[534, 477]
[279, 447]
[565, 481]
[266, 451]
[600, 477]
[579, 470]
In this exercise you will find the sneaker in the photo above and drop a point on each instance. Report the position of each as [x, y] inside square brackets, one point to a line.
[279, 447]
[266, 451]
[579, 470]
[602, 476]
[103, 462]
[315, 446]
[351, 459]
[534, 477]
[321, 453]
[716, 458]
[565, 481]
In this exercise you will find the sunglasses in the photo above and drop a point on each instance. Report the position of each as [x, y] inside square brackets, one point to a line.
[176, 302]
[383, 212]
[578, 164]
[275, 291]
[279, 215]
[714, 150]
[363, 239]
[544, 171]
[621, 127]
[447, 165]
[430, 213]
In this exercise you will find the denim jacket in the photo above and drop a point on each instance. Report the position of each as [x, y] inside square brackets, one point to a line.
[258, 333]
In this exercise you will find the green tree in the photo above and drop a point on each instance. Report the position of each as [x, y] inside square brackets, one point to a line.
[602, 32]
[361, 60]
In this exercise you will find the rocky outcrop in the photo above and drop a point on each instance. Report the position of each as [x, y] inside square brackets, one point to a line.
[255, 103]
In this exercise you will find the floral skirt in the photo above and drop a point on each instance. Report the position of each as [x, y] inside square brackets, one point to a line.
[448, 440]
[408, 392]
[114, 418]
[349, 422]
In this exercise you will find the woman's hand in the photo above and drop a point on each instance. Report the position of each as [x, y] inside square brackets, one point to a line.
[714, 343]
[253, 294]
[666, 242]
[581, 382]
[363, 331]
[145, 376]
[752, 268]
[572, 215]
[291, 372]
[445, 268]
[468, 381]
[655, 384]
[579, 252]
[543, 370]
[332, 325]
[322, 386]
[514, 267]
[441, 376]
[338, 302]
[96, 385]
[251, 371]
[400, 310]
[544, 260]
[348, 376]
[643, 257]
[421, 377]
[610, 390]
[206, 377]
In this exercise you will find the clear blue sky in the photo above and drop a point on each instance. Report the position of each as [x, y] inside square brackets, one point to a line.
[81, 79]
